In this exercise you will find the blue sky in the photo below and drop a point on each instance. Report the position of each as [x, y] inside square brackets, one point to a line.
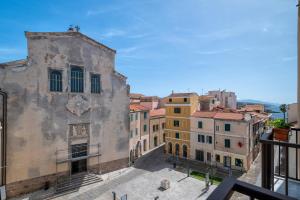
[246, 46]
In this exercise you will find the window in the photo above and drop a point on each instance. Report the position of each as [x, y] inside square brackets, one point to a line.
[185, 99]
[163, 125]
[79, 150]
[136, 116]
[164, 137]
[55, 77]
[95, 83]
[227, 127]
[227, 161]
[136, 131]
[217, 158]
[238, 162]
[208, 157]
[170, 148]
[217, 128]
[157, 127]
[145, 145]
[76, 79]
[209, 139]
[145, 115]
[200, 155]
[177, 149]
[184, 151]
[201, 138]
[145, 127]
[200, 124]
[170, 100]
[227, 143]
[155, 141]
[131, 117]
[153, 128]
[177, 135]
[177, 110]
[176, 123]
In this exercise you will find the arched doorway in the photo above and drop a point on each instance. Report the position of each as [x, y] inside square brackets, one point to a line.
[177, 149]
[170, 148]
[155, 141]
[184, 151]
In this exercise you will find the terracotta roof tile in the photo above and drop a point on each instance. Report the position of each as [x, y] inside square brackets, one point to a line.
[157, 112]
[229, 116]
[203, 114]
[138, 107]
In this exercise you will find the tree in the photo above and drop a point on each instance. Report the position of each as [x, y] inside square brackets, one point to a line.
[283, 109]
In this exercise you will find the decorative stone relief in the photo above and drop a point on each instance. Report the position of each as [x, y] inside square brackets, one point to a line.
[79, 130]
[78, 105]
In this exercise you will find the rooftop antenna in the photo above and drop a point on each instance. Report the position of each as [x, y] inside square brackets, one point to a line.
[77, 28]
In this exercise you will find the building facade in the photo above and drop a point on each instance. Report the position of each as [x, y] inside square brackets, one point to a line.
[67, 110]
[226, 99]
[157, 128]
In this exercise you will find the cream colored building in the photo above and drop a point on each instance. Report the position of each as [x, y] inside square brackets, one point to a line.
[157, 127]
[202, 136]
[226, 99]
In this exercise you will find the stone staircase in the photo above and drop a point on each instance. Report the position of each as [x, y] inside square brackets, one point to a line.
[74, 182]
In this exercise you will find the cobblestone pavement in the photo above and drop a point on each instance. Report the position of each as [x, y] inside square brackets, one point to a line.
[143, 182]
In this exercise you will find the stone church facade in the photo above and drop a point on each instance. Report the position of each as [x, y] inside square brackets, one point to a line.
[67, 111]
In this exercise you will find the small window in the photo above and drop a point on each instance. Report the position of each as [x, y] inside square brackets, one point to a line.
[170, 100]
[217, 158]
[201, 138]
[227, 143]
[217, 128]
[131, 117]
[177, 110]
[153, 128]
[185, 99]
[157, 127]
[136, 116]
[163, 125]
[176, 123]
[136, 131]
[145, 115]
[227, 127]
[95, 83]
[238, 162]
[145, 127]
[77, 79]
[209, 139]
[177, 135]
[145, 145]
[200, 125]
[200, 155]
[55, 77]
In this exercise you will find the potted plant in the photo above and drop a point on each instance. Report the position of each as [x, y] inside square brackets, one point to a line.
[280, 129]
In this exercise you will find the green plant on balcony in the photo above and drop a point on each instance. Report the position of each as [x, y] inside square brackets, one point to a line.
[280, 129]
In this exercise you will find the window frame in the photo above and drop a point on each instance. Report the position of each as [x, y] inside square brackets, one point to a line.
[145, 127]
[227, 127]
[83, 78]
[177, 110]
[227, 143]
[176, 124]
[91, 83]
[200, 124]
[50, 70]
[177, 134]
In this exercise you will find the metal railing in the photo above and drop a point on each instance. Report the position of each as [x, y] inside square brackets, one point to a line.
[280, 158]
[230, 185]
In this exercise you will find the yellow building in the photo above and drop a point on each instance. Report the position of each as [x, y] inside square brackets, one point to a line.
[179, 107]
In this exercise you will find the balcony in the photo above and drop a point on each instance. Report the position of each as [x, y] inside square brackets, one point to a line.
[279, 172]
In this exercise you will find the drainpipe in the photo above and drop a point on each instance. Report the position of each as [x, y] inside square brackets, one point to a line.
[4, 137]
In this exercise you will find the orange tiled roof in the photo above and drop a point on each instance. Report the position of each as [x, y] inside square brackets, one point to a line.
[138, 107]
[204, 114]
[229, 116]
[182, 94]
[157, 112]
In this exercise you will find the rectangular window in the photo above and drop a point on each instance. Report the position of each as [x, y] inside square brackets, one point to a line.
[145, 145]
[200, 124]
[238, 162]
[177, 135]
[136, 131]
[217, 128]
[153, 128]
[200, 155]
[227, 143]
[227, 127]
[163, 125]
[157, 127]
[79, 150]
[131, 117]
[185, 99]
[209, 139]
[176, 123]
[145, 115]
[208, 157]
[145, 127]
[170, 100]
[201, 138]
[77, 79]
[136, 116]
[95, 83]
[55, 80]
[227, 161]
[217, 158]
[177, 110]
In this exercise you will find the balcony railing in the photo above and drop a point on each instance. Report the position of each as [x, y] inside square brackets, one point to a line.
[280, 159]
[230, 185]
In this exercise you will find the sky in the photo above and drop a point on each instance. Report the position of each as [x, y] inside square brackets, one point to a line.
[245, 46]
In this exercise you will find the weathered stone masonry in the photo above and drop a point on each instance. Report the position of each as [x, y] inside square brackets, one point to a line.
[41, 122]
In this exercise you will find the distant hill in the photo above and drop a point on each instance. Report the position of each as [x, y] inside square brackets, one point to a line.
[269, 107]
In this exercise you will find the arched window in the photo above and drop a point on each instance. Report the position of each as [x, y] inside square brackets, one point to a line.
[55, 81]
[155, 141]
[177, 149]
[76, 79]
[184, 151]
[170, 148]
